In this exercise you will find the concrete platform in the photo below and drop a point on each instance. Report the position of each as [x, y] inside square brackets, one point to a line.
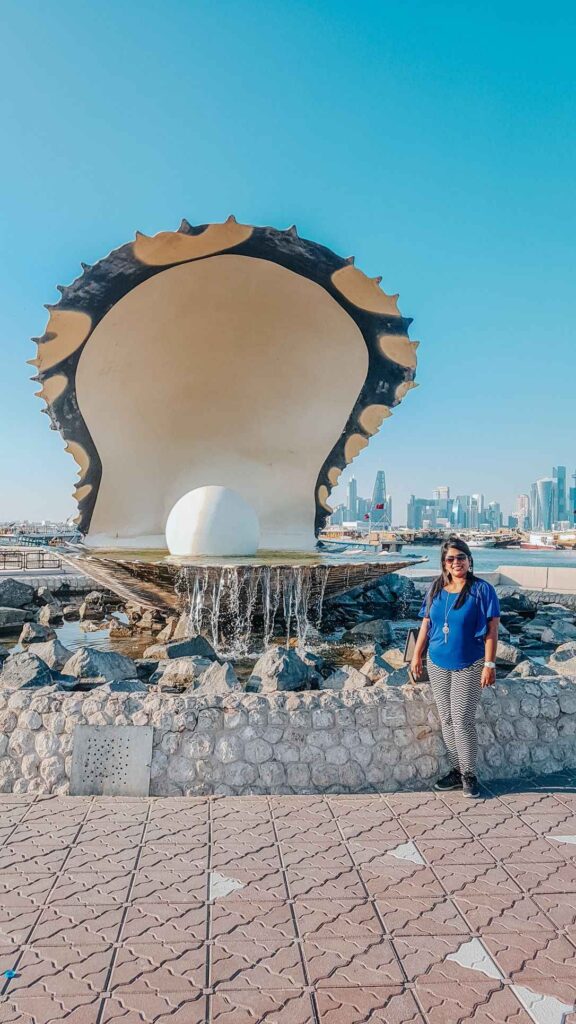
[398, 909]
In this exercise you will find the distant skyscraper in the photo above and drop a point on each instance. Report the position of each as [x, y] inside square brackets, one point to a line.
[352, 498]
[572, 503]
[559, 477]
[523, 511]
[380, 512]
[546, 501]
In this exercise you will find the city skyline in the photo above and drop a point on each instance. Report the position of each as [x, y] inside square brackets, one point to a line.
[547, 500]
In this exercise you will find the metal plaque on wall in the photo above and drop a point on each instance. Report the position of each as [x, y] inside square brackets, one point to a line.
[111, 760]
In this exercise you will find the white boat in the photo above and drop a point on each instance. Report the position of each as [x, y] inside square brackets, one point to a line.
[482, 542]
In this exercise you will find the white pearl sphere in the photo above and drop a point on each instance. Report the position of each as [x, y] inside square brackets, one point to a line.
[212, 521]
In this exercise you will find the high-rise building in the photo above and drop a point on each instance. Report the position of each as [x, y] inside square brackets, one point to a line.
[493, 515]
[543, 517]
[352, 499]
[523, 511]
[572, 503]
[380, 512]
[420, 511]
[559, 477]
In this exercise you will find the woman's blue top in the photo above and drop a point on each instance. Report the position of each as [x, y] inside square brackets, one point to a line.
[468, 625]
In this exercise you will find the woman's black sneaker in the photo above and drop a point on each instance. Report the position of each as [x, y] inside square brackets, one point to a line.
[470, 785]
[451, 781]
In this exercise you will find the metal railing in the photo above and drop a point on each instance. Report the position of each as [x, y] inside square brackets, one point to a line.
[30, 559]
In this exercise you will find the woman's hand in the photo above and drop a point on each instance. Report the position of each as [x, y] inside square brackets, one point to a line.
[416, 665]
[488, 677]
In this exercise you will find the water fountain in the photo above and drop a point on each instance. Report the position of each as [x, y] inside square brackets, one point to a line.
[212, 383]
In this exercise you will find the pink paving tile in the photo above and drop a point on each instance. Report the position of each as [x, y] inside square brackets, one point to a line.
[403, 878]
[522, 851]
[277, 1006]
[24, 890]
[255, 837]
[531, 803]
[296, 804]
[427, 955]
[221, 806]
[322, 883]
[16, 924]
[90, 888]
[560, 908]
[163, 885]
[135, 1007]
[463, 880]
[165, 922]
[426, 916]
[58, 835]
[178, 857]
[545, 963]
[77, 925]
[373, 854]
[256, 885]
[178, 832]
[563, 822]
[435, 826]
[129, 834]
[368, 832]
[567, 799]
[360, 1005]
[316, 833]
[379, 816]
[228, 861]
[540, 878]
[266, 922]
[479, 1001]
[46, 1009]
[507, 826]
[454, 851]
[159, 967]
[323, 858]
[351, 961]
[512, 913]
[255, 964]
[118, 812]
[319, 810]
[458, 804]
[333, 918]
[32, 858]
[101, 858]
[415, 804]
[62, 970]
[344, 804]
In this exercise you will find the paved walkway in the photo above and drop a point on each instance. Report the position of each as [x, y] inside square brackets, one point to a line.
[396, 909]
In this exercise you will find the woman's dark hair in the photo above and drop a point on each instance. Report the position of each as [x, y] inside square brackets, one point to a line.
[445, 576]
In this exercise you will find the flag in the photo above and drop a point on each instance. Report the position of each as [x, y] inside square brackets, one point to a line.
[379, 506]
[366, 516]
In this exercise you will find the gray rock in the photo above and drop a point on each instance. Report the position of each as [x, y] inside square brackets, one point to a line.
[35, 633]
[507, 654]
[400, 677]
[71, 611]
[374, 629]
[25, 671]
[315, 663]
[279, 668]
[15, 594]
[87, 662]
[513, 600]
[119, 630]
[4, 653]
[376, 668]
[564, 659]
[53, 653]
[145, 667]
[182, 649]
[529, 669]
[125, 686]
[346, 678]
[218, 678]
[394, 656]
[167, 632]
[11, 619]
[50, 613]
[180, 672]
[45, 596]
[558, 633]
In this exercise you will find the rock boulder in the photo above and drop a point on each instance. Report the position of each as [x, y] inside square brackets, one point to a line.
[87, 662]
[280, 668]
[25, 671]
[194, 645]
[563, 660]
[15, 594]
[180, 672]
[35, 633]
[53, 653]
[218, 679]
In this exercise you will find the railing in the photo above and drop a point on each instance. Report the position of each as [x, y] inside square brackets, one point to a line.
[19, 560]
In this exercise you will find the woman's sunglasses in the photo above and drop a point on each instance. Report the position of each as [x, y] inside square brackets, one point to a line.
[455, 558]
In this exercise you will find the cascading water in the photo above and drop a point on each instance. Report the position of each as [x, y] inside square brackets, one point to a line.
[241, 605]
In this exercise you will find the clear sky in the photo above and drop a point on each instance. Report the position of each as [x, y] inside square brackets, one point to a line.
[433, 140]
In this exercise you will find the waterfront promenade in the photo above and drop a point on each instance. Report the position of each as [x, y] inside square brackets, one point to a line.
[405, 908]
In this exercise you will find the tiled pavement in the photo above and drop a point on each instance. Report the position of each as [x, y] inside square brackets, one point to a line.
[382, 909]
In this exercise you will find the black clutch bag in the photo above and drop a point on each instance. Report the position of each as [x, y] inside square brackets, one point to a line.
[408, 654]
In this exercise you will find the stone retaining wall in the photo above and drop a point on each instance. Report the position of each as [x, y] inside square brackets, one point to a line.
[382, 738]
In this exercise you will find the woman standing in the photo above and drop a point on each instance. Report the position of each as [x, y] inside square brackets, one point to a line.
[461, 615]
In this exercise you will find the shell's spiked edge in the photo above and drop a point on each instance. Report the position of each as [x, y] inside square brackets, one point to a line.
[84, 303]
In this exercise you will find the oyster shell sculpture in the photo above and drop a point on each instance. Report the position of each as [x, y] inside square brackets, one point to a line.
[220, 355]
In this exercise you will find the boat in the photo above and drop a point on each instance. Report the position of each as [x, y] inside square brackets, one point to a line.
[482, 542]
[538, 541]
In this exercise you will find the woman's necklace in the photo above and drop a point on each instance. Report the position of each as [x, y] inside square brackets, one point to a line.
[447, 610]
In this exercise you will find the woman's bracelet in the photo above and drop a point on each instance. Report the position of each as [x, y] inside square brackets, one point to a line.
[489, 664]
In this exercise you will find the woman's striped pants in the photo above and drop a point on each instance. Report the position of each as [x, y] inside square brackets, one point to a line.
[457, 694]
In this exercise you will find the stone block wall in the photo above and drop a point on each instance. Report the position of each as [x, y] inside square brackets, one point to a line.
[381, 738]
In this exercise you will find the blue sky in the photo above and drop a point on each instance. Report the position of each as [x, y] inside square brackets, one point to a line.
[435, 141]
